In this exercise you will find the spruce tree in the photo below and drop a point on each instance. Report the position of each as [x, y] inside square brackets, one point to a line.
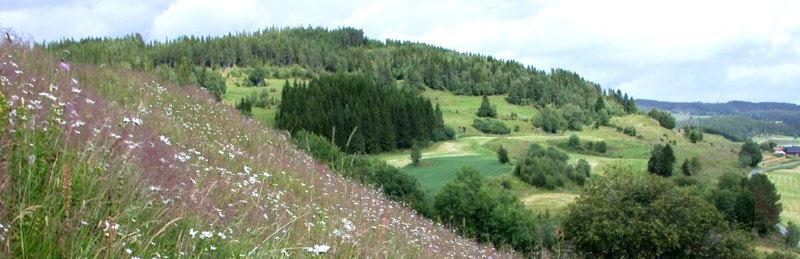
[487, 109]
[767, 203]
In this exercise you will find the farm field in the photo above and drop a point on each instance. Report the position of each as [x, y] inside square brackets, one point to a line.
[787, 181]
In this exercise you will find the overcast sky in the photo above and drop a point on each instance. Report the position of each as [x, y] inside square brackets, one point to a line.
[665, 50]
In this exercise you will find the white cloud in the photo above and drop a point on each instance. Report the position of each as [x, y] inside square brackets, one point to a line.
[773, 74]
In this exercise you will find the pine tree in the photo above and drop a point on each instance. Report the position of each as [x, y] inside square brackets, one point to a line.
[767, 203]
[487, 109]
[661, 160]
[685, 168]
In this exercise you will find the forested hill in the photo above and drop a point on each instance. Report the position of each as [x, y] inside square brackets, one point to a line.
[768, 111]
[307, 52]
[736, 120]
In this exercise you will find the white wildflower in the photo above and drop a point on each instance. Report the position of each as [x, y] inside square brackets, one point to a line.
[128, 251]
[49, 96]
[89, 101]
[165, 140]
[76, 90]
[183, 157]
[206, 234]
[192, 232]
[213, 248]
[318, 249]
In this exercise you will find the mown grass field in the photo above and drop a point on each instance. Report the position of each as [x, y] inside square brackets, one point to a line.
[778, 139]
[787, 181]
[434, 173]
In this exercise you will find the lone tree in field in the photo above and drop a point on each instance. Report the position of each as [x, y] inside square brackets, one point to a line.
[662, 160]
[416, 155]
[502, 155]
[487, 109]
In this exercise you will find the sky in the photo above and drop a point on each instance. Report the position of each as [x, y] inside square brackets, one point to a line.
[711, 51]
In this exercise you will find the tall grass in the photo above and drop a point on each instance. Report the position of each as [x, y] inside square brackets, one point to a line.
[99, 162]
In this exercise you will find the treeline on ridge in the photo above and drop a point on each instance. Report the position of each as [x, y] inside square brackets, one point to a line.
[360, 115]
[309, 51]
[741, 128]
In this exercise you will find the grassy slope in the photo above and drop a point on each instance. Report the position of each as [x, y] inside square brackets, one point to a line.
[190, 165]
[478, 150]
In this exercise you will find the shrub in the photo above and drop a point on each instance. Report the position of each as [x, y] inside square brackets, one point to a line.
[256, 76]
[750, 154]
[550, 119]
[630, 131]
[627, 215]
[574, 142]
[600, 146]
[489, 214]
[546, 168]
[502, 155]
[583, 168]
[491, 126]
[664, 118]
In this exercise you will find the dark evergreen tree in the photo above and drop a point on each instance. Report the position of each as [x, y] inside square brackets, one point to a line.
[767, 203]
[359, 115]
[662, 160]
[487, 109]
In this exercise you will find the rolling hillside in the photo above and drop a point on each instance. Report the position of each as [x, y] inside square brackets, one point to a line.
[477, 150]
[104, 162]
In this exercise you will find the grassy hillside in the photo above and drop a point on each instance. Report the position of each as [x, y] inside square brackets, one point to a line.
[99, 162]
[441, 160]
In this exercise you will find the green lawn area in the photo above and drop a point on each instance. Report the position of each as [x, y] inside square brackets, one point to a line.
[434, 173]
[787, 182]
